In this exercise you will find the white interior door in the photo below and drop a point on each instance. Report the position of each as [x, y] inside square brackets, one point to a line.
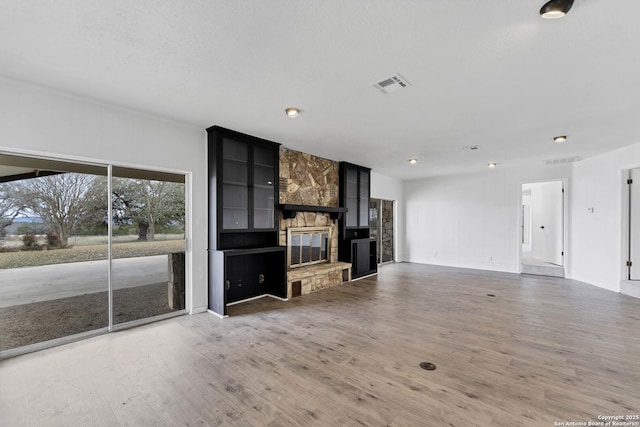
[547, 232]
[634, 225]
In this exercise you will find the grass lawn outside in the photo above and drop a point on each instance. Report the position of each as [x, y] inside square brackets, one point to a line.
[91, 252]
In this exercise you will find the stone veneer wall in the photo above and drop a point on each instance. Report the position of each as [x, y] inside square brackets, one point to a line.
[306, 179]
[310, 180]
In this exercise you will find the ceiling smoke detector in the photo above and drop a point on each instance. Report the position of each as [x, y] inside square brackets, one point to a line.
[392, 84]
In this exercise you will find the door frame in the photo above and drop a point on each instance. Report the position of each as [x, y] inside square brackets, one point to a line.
[188, 233]
[565, 219]
[379, 234]
[625, 250]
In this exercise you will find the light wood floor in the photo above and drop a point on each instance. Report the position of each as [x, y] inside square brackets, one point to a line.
[540, 351]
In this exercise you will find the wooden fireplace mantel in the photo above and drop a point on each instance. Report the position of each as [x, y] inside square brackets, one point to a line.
[289, 211]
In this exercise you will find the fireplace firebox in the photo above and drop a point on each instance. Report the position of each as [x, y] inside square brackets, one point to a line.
[308, 246]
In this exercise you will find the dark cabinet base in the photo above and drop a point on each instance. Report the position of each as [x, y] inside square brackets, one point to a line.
[239, 274]
[361, 253]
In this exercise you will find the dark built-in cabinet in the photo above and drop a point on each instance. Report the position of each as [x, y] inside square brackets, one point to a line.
[355, 245]
[244, 257]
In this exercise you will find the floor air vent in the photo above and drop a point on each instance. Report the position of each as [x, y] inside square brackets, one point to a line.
[392, 84]
[428, 366]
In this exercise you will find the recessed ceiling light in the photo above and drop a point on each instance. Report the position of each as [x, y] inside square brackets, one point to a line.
[560, 138]
[413, 161]
[555, 9]
[292, 112]
[492, 165]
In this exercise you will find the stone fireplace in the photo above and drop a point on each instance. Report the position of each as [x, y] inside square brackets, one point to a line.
[310, 183]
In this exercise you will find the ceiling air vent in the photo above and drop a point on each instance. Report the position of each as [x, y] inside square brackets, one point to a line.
[563, 161]
[470, 148]
[392, 84]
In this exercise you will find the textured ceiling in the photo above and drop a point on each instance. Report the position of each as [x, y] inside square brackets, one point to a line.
[482, 72]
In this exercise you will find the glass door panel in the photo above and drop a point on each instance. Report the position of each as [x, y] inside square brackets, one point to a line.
[235, 182]
[148, 245]
[386, 231]
[364, 199]
[352, 197]
[263, 188]
[374, 224]
[381, 228]
[634, 224]
[53, 250]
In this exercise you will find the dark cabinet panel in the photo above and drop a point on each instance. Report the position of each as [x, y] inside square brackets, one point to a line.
[363, 194]
[239, 274]
[264, 181]
[243, 190]
[361, 253]
[351, 198]
[241, 278]
[363, 257]
[354, 195]
[355, 246]
[244, 257]
[235, 184]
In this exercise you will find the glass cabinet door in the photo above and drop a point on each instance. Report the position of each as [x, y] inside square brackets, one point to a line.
[364, 199]
[351, 197]
[263, 188]
[235, 185]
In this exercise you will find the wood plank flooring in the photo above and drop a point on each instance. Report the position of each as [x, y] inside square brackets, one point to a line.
[540, 351]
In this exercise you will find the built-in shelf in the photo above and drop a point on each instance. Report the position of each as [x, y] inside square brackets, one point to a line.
[289, 211]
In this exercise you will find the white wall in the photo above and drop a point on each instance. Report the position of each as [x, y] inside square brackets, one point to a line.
[387, 188]
[597, 238]
[36, 121]
[464, 220]
[469, 220]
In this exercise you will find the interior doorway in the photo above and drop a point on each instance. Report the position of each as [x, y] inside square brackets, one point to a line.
[542, 228]
[633, 263]
[381, 228]
[630, 283]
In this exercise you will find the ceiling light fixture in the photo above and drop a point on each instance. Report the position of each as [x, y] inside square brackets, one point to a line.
[413, 161]
[492, 165]
[555, 9]
[560, 139]
[292, 112]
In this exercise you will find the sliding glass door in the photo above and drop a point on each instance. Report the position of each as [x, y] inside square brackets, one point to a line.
[85, 248]
[148, 244]
[53, 250]
[381, 228]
